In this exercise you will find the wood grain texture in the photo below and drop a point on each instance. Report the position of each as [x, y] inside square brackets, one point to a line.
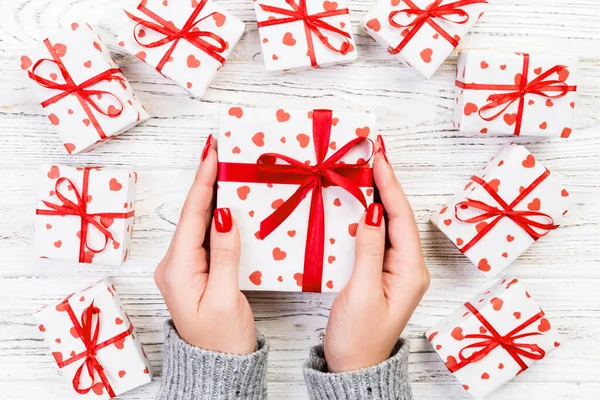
[432, 160]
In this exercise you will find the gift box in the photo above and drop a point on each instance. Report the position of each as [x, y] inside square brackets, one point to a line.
[94, 343]
[85, 214]
[186, 41]
[302, 34]
[297, 183]
[494, 337]
[503, 209]
[84, 92]
[515, 93]
[422, 33]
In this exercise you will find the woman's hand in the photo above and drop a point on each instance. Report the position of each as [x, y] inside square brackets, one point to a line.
[370, 313]
[200, 288]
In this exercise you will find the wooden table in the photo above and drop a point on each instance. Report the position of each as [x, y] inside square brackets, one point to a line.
[432, 161]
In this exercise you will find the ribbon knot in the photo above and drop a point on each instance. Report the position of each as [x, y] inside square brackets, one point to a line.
[173, 35]
[83, 91]
[79, 209]
[88, 330]
[490, 341]
[428, 15]
[536, 224]
[313, 24]
[540, 86]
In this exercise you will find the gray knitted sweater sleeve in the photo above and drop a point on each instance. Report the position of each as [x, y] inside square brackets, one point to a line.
[191, 373]
[386, 381]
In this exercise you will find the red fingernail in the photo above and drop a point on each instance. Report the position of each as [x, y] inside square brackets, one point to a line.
[206, 148]
[374, 215]
[223, 221]
[382, 148]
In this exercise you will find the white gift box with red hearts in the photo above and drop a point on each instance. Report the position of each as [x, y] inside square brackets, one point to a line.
[494, 337]
[421, 46]
[277, 261]
[293, 45]
[473, 219]
[110, 107]
[118, 351]
[108, 199]
[549, 111]
[193, 61]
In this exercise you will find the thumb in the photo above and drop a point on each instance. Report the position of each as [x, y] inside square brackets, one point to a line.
[370, 247]
[224, 253]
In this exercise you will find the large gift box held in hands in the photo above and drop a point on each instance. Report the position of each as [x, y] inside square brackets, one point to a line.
[82, 89]
[297, 183]
[300, 34]
[85, 214]
[494, 337]
[186, 41]
[422, 33]
[503, 209]
[94, 343]
[516, 93]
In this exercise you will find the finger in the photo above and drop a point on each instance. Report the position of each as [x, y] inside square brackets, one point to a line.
[370, 248]
[196, 212]
[224, 253]
[402, 228]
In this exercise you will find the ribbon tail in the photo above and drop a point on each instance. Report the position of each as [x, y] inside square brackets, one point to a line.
[272, 222]
[312, 277]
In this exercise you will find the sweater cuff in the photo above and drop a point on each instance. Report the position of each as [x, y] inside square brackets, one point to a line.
[386, 381]
[190, 372]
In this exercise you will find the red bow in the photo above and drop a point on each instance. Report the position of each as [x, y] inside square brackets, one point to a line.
[521, 218]
[508, 342]
[327, 172]
[89, 331]
[538, 86]
[313, 24]
[174, 35]
[79, 209]
[428, 15]
[82, 91]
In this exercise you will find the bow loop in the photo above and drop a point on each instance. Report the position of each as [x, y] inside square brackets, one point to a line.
[172, 35]
[535, 223]
[313, 23]
[82, 90]
[88, 333]
[433, 11]
[491, 340]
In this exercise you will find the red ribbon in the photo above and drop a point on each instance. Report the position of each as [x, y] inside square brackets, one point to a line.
[428, 15]
[327, 172]
[313, 24]
[521, 218]
[79, 209]
[173, 35]
[538, 86]
[489, 342]
[88, 332]
[82, 91]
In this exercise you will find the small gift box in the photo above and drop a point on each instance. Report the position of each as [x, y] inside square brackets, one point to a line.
[422, 33]
[504, 208]
[494, 337]
[300, 34]
[82, 89]
[515, 93]
[297, 183]
[94, 342]
[187, 42]
[85, 214]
